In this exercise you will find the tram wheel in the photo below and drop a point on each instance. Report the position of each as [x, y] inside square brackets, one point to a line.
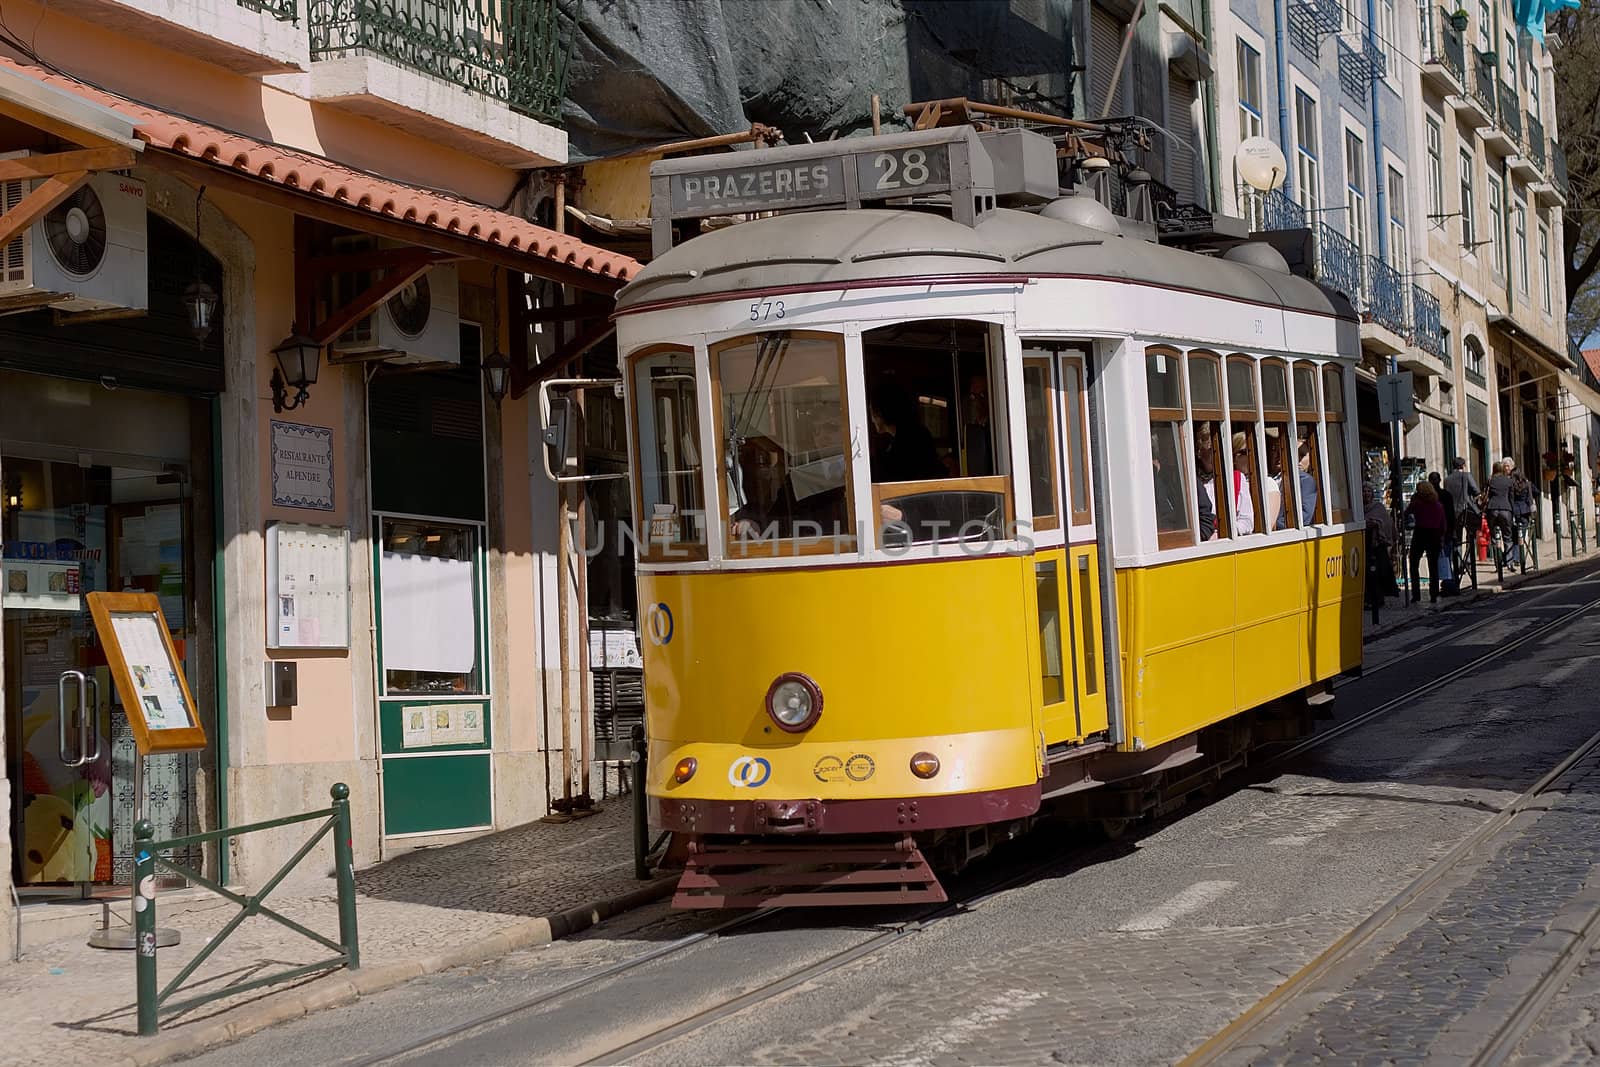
[1111, 829]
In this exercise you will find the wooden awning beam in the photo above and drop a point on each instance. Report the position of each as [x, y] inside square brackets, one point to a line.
[36, 204]
[371, 260]
[396, 278]
[43, 166]
[562, 357]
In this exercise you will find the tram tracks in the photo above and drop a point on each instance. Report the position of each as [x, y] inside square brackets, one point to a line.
[1301, 992]
[890, 934]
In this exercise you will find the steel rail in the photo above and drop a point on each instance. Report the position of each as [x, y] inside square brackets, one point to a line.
[672, 1031]
[920, 924]
[1237, 1034]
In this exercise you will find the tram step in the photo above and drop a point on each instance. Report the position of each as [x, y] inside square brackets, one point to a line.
[806, 875]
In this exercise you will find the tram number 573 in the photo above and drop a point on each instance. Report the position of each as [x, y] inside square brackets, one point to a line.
[911, 169]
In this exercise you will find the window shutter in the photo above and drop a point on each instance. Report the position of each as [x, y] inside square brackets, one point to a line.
[1105, 42]
[1181, 157]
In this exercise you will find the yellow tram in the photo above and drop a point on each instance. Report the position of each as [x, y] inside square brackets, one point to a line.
[958, 499]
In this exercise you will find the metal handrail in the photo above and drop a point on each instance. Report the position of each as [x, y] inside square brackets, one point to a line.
[1510, 111]
[282, 10]
[1425, 323]
[1483, 79]
[1339, 263]
[1535, 141]
[1445, 45]
[515, 51]
[1386, 296]
[148, 856]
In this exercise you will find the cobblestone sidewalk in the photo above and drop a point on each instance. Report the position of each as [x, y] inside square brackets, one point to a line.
[1396, 614]
[418, 913]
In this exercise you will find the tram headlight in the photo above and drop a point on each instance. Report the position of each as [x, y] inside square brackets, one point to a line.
[924, 765]
[794, 702]
[685, 769]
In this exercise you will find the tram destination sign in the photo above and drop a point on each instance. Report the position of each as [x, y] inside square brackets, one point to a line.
[880, 175]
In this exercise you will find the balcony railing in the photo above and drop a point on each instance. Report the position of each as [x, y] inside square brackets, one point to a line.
[1425, 323]
[514, 51]
[1483, 80]
[1535, 142]
[282, 10]
[1475, 375]
[1339, 263]
[1274, 210]
[1510, 111]
[1386, 295]
[1445, 46]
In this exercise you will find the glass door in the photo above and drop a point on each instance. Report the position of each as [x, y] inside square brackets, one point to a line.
[71, 528]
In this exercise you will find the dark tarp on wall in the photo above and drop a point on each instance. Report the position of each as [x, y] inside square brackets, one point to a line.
[646, 72]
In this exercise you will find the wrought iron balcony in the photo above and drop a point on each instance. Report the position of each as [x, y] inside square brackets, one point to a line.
[1483, 80]
[1359, 63]
[1386, 296]
[1444, 45]
[1312, 20]
[1425, 325]
[282, 10]
[1339, 263]
[1510, 110]
[514, 51]
[1272, 210]
[1535, 142]
[1475, 376]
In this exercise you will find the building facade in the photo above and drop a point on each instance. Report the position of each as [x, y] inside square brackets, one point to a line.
[258, 262]
[1423, 157]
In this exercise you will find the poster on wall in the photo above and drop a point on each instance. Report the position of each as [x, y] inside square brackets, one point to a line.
[302, 466]
[308, 586]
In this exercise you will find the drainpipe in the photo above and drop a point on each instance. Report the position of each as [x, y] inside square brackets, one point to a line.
[1280, 36]
[1381, 200]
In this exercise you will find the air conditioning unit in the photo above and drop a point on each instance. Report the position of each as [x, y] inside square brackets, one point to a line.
[90, 249]
[417, 325]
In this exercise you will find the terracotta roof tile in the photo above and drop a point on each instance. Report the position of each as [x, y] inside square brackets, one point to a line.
[1591, 356]
[315, 176]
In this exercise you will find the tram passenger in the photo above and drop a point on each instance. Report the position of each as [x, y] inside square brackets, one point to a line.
[903, 450]
[1308, 483]
[1277, 512]
[1244, 513]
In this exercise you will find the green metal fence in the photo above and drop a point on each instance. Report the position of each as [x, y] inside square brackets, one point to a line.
[513, 50]
[147, 858]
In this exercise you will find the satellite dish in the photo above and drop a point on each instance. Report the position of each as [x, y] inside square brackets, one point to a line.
[1260, 164]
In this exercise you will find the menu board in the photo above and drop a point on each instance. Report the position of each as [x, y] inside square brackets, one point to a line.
[308, 586]
[145, 667]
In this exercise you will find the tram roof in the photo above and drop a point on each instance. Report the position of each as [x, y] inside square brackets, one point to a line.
[805, 248]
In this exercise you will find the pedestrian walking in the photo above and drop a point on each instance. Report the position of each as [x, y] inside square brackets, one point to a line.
[1463, 492]
[1380, 542]
[1497, 503]
[1447, 575]
[1521, 503]
[1426, 539]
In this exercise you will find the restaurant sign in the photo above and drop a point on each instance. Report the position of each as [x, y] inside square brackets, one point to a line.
[302, 466]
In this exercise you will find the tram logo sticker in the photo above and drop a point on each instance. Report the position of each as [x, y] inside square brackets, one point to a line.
[658, 623]
[749, 772]
[831, 770]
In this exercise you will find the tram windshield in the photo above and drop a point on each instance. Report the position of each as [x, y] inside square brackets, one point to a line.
[784, 438]
[937, 455]
[667, 454]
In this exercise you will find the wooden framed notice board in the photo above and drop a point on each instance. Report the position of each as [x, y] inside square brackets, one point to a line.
[149, 678]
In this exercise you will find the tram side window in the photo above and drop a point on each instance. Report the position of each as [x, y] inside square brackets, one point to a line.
[1038, 402]
[1278, 490]
[937, 451]
[781, 424]
[1308, 453]
[1246, 466]
[1338, 455]
[1164, 385]
[671, 507]
[1205, 407]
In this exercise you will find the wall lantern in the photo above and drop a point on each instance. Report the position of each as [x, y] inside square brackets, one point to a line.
[299, 359]
[497, 370]
[13, 497]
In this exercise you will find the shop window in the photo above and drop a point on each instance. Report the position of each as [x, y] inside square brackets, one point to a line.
[1039, 407]
[1245, 463]
[1338, 448]
[1164, 386]
[431, 610]
[1308, 452]
[1277, 491]
[671, 511]
[784, 436]
[1210, 431]
[937, 455]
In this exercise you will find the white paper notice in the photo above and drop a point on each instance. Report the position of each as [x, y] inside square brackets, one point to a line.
[429, 622]
[310, 568]
[425, 725]
[155, 680]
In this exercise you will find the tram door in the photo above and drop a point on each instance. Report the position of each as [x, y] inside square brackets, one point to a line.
[1067, 573]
